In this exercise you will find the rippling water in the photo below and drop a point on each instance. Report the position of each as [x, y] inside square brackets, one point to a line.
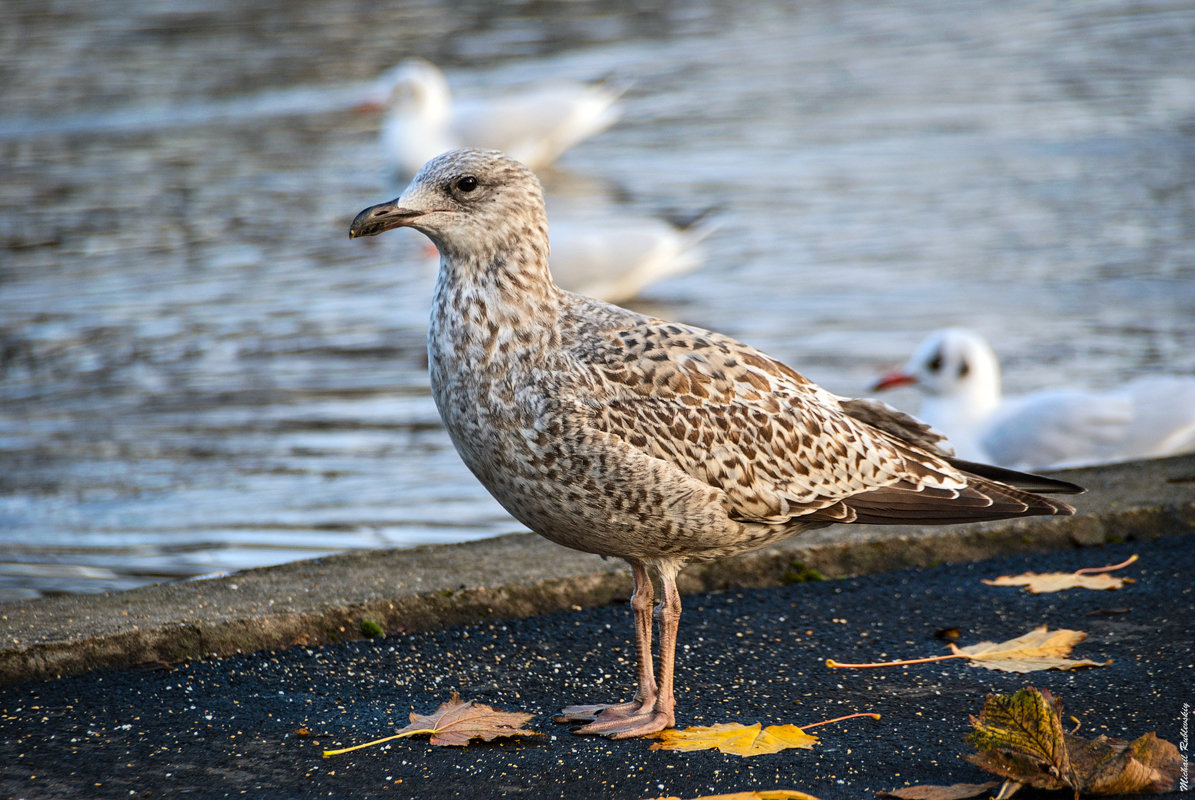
[199, 372]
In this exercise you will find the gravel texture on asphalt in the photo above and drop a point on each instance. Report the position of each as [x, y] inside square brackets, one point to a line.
[255, 725]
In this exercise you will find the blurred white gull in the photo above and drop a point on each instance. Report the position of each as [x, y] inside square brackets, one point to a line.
[535, 124]
[614, 257]
[958, 373]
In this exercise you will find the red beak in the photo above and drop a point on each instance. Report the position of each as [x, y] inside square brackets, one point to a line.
[893, 379]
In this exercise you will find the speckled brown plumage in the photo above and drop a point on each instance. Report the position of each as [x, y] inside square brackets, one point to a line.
[659, 443]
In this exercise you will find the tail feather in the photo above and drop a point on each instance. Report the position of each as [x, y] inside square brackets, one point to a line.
[991, 493]
[1026, 481]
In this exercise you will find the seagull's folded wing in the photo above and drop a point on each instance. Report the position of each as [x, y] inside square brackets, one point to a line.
[778, 446]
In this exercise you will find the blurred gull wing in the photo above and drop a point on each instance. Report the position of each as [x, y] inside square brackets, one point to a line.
[615, 257]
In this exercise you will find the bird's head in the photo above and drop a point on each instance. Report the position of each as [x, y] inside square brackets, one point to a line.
[471, 203]
[950, 362]
[414, 86]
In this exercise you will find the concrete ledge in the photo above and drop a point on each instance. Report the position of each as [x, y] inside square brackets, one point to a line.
[323, 600]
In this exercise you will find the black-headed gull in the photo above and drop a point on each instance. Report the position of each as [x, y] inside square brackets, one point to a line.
[959, 374]
[535, 124]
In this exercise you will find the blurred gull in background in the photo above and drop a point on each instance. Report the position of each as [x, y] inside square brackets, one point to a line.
[615, 257]
[959, 374]
[535, 124]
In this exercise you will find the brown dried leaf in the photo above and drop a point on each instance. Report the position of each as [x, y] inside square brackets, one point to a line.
[455, 723]
[736, 739]
[1096, 578]
[1045, 582]
[1107, 765]
[766, 794]
[1037, 650]
[1020, 737]
[955, 791]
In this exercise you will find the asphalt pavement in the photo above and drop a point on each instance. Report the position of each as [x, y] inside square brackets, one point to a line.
[256, 725]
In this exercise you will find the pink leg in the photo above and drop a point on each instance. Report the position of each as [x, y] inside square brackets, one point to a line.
[665, 708]
[645, 696]
[654, 706]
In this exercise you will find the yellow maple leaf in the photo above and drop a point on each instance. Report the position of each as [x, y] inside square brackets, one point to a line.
[735, 739]
[765, 794]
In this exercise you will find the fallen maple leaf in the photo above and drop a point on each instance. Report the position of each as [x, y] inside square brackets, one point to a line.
[1037, 650]
[744, 740]
[735, 739]
[1020, 737]
[1089, 578]
[955, 791]
[1047, 582]
[455, 723]
[766, 794]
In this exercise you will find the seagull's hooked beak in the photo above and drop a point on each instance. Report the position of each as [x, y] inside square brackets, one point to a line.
[381, 218]
[892, 380]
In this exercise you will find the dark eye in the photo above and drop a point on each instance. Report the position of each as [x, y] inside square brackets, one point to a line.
[935, 363]
[467, 183]
[963, 369]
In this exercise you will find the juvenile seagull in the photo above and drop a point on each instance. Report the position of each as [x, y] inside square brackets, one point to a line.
[658, 443]
[957, 370]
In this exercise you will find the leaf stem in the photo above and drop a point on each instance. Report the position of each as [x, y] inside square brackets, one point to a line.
[840, 719]
[835, 665]
[375, 741]
[1113, 568]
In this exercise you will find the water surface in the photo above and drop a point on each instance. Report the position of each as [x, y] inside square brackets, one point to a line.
[199, 372]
